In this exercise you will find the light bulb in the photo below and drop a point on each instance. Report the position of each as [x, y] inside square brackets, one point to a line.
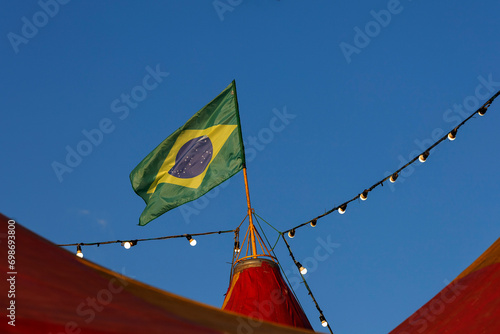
[192, 241]
[291, 233]
[342, 209]
[423, 156]
[314, 222]
[394, 177]
[364, 195]
[129, 243]
[324, 323]
[302, 269]
[79, 251]
[482, 111]
[237, 247]
[452, 135]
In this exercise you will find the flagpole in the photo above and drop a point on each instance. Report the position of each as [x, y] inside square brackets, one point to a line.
[250, 216]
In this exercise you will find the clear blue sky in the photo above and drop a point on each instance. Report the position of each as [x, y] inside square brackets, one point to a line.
[358, 103]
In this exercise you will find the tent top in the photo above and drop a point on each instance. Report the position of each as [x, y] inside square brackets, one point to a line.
[469, 304]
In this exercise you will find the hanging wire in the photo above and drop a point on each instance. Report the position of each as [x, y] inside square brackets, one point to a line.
[276, 257]
[422, 156]
[146, 239]
[322, 316]
[279, 232]
[258, 223]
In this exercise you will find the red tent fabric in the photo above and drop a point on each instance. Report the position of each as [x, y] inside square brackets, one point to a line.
[53, 291]
[469, 304]
[258, 290]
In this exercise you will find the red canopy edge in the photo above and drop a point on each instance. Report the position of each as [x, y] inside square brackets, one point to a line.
[56, 292]
[469, 304]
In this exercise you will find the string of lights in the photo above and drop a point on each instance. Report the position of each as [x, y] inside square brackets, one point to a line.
[127, 244]
[341, 209]
[302, 272]
[422, 157]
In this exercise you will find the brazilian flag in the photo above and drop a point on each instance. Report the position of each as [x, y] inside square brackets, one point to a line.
[198, 156]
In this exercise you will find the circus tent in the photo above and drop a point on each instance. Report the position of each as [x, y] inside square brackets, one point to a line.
[57, 292]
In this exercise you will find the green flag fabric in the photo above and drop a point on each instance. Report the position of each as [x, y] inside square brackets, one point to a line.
[198, 156]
